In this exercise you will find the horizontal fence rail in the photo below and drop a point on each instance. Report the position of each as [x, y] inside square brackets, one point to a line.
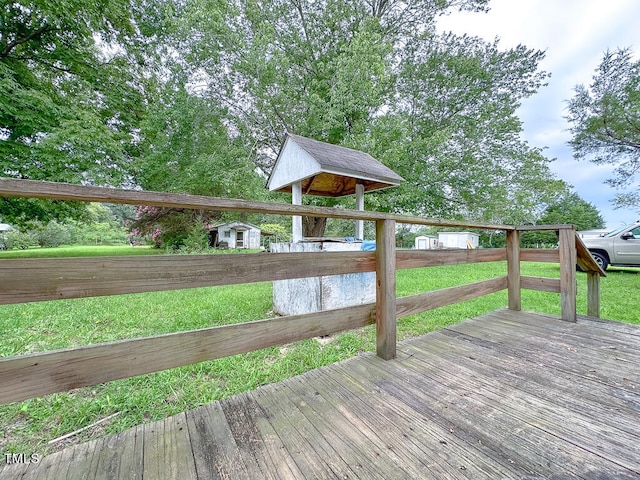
[422, 302]
[64, 278]
[546, 255]
[38, 374]
[29, 280]
[541, 284]
[38, 279]
[10, 187]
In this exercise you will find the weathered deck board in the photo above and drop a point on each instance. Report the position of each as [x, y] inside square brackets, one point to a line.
[506, 395]
[545, 420]
[563, 389]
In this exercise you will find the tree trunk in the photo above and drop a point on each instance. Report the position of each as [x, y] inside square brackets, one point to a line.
[313, 226]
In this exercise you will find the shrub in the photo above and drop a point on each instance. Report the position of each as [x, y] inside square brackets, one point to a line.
[53, 234]
[102, 234]
[15, 239]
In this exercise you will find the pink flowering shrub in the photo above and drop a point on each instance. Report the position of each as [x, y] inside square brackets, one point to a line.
[169, 227]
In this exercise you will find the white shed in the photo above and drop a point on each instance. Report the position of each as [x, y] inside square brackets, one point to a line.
[234, 235]
[458, 240]
[426, 242]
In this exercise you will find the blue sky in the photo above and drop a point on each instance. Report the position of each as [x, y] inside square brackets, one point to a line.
[574, 34]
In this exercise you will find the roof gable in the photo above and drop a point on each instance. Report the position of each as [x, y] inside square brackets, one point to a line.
[236, 225]
[326, 169]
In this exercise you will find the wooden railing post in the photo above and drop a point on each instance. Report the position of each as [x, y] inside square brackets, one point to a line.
[589, 265]
[593, 294]
[386, 289]
[568, 285]
[513, 270]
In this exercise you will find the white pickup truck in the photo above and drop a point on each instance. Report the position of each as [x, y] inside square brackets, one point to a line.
[618, 248]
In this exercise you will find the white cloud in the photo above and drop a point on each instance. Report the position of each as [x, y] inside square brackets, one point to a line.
[549, 136]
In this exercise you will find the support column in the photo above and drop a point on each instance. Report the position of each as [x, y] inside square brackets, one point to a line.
[386, 289]
[568, 285]
[296, 193]
[359, 206]
[593, 294]
[513, 270]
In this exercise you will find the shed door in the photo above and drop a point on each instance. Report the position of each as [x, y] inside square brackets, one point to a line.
[240, 239]
[213, 238]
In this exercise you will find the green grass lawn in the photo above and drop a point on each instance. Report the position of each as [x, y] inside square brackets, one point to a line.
[98, 251]
[26, 427]
[80, 251]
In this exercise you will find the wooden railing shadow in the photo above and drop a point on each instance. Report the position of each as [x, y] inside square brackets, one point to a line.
[31, 280]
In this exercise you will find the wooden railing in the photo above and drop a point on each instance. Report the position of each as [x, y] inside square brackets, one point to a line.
[30, 280]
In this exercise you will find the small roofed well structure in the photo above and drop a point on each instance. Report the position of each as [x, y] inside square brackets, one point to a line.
[310, 167]
[327, 170]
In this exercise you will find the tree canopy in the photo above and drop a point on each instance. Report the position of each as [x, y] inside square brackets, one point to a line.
[195, 97]
[605, 118]
[457, 137]
[72, 93]
[375, 76]
[68, 108]
[570, 209]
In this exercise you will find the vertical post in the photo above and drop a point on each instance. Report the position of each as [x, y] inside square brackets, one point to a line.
[568, 259]
[386, 289]
[359, 206]
[296, 194]
[593, 294]
[513, 270]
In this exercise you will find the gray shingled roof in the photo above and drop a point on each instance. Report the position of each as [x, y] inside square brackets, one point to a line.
[346, 160]
[335, 172]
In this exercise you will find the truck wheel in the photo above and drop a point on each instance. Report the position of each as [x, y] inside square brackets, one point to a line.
[600, 259]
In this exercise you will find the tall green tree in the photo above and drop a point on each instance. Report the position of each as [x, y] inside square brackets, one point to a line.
[374, 75]
[74, 82]
[68, 109]
[456, 135]
[605, 118]
[188, 149]
[574, 210]
[196, 95]
[570, 209]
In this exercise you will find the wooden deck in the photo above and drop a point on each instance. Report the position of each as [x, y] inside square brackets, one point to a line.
[505, 395]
